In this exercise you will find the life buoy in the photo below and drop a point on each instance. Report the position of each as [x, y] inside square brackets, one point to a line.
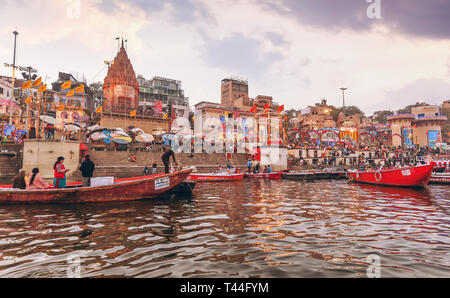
[378, 176]
[351, 178]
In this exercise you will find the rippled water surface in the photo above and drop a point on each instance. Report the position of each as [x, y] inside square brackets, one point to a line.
[242, 229]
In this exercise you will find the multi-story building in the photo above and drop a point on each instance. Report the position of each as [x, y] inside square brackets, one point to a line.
[69, 109]
[235, 92]
[422, 127]
[158, 94]
[316, 117]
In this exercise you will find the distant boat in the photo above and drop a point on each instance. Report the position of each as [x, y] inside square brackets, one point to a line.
[214, 177]
[274, 175]
[417, 176]
[128, 190]
[440, 178]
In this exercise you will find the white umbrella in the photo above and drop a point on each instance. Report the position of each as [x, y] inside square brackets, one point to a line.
[97, 136]
[95, 127]
[50, 120]
[145, 138]
[71, 127]
[119, 133]
[137, 130]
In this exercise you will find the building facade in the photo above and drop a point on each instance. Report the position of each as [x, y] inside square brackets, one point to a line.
[158, 95]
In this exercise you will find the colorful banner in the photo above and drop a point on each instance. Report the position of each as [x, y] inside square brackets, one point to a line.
[8, 129]
[407, 136]
[434, 137]
[158, 107]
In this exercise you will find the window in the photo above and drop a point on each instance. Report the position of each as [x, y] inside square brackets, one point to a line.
[1, 90]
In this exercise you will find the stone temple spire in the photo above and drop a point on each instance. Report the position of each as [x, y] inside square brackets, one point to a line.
[121, 87]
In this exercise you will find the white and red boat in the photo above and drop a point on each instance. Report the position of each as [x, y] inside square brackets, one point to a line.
[214, 177]
[440, 178]
[275, 175]
[415, 176]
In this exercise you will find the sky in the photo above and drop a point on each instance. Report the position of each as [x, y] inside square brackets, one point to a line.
[388, 53]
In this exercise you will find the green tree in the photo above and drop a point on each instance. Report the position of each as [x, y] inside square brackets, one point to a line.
[382, 116]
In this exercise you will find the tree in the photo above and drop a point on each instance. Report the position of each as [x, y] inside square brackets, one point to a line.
[349, 111]
[409, 108]
[381, 116]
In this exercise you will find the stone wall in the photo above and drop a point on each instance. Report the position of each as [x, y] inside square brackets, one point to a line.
[115, 163]
[10, 161]
[43, 155]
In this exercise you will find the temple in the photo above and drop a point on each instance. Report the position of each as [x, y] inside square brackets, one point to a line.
[121, 88]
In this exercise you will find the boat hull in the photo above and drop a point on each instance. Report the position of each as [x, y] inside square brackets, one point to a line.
[214, 177]
[404, 177]
[440, 178]
[137, 189]
[275, 175]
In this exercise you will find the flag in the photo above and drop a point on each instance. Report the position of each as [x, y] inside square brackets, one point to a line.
[253, 110]
[26, 85]
[79, 89]
[133, 114]
[42, 88]
[28, 100]
[99, 110]
[38, 82]
[66, 85]
[71, 93]
[280, 109]
[267, 106]
[165, 116]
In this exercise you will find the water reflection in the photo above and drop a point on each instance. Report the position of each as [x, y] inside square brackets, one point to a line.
[241, 229]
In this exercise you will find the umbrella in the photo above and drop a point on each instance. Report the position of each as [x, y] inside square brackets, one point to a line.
[71, 127]
[137, 130]
[158, 132]
[50, 120]
[95, 128]
[119, 133]
[122, 140]
[97, 136]
[145, 138]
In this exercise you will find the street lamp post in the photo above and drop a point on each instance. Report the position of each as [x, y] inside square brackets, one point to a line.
[343, 98]
[13, 78]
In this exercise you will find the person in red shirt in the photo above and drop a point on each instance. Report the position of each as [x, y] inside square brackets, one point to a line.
[60, 173]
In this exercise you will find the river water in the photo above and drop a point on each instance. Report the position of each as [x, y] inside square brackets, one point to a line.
[242, 229]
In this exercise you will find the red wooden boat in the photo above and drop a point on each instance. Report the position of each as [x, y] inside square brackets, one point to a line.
[274, 175]
[129, 190]
[417, 176]
[214, 177]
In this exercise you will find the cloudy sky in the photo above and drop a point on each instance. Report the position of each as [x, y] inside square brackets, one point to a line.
[298, 51]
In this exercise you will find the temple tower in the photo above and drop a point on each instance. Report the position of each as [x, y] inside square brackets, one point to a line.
[121, 88]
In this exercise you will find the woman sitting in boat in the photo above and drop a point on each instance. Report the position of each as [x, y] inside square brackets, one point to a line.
[19, 181]
[219, 169]
[60, 173]
[269, 169]
[36, 181]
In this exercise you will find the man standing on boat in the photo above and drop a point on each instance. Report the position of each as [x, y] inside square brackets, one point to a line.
[166, 158]
[87, 171]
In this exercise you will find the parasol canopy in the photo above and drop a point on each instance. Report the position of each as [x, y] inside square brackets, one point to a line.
[145, 138]
[51, 120]
[158, 132]
[122, 140]
[98, 136]
[119, 133]
[137, 130]
[72, 127]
